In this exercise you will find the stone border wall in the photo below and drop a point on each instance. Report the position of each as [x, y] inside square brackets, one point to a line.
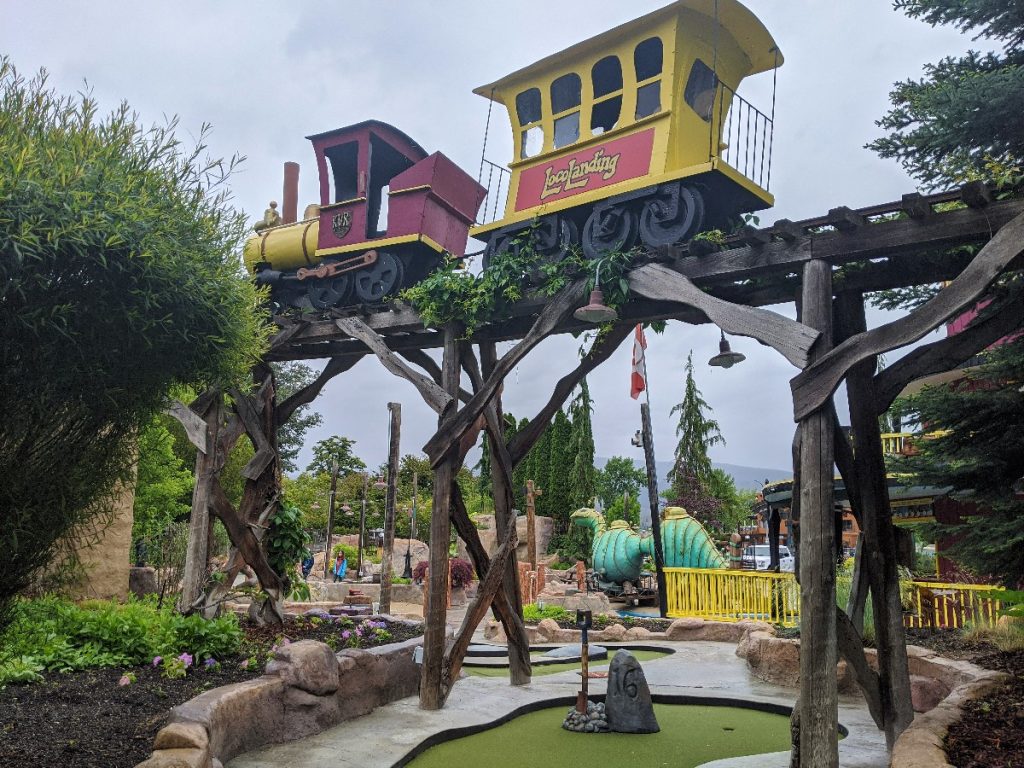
[307, 688]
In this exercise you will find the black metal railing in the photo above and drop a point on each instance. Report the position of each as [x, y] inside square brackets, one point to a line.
[495, 178]
[745, 137]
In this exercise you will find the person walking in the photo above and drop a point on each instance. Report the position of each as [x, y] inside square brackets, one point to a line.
[340, 566]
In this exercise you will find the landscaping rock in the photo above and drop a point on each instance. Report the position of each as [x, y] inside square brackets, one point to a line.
[308, 665]
[182, 736]
[178, 758]
[638, 633]
[927, 692]
[683, 629]
[591, 721]
[548, 629]
[628, 703]
[615, 633]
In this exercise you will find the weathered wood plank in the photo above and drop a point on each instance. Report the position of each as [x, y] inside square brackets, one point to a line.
[819, 698]
[564, 302]
[792, 339]
[813, 386]
[489, 586]
[207, 468]
[390, 506]
[246, 411]
[947, 353]
[851, 648]
[432, 369]
[432, 394]
[192, 422]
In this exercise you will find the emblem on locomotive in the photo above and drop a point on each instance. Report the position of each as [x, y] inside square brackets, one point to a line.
[341, 223]
[577, 175]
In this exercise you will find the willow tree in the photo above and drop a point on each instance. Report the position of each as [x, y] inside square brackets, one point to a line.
[119, 280]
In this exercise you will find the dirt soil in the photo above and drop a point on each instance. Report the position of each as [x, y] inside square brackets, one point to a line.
[86, 720]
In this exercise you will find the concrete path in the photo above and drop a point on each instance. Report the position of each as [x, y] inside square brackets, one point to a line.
[698, 669]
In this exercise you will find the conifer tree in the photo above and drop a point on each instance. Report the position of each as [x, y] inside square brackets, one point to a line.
[581, 449]
[557, 490]
[542, 469]
[697, 433]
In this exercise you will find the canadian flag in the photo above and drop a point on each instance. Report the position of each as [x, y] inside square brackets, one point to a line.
[638, 378]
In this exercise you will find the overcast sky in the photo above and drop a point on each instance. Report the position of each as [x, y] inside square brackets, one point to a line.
[265, 75]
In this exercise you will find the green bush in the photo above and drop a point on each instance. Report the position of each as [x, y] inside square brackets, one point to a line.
[532, 613]
[351, 553]
[57, 635]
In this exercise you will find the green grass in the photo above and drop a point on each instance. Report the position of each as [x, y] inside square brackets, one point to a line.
[690, 735]
[550, 669]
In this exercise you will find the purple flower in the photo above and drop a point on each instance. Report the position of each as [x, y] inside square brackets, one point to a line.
[186, 659]
[244, 664]
[157, 660]
[346, 635]
[125, 680]
[210, 663]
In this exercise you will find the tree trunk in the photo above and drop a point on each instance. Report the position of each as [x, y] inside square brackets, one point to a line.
[390, 507]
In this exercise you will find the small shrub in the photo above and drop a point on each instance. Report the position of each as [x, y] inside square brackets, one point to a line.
[462, 573]
[532, 613]
[419, 573]
[351, 553]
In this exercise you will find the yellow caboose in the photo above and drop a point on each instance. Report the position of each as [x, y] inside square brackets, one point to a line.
[637, 133]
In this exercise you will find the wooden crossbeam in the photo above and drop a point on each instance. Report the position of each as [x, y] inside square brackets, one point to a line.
[813, 386]
[792, 339]
[432, 394]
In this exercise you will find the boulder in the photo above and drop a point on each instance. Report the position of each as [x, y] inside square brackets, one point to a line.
[615, 633]
[628, 704]
[638, 633]
[548, 630]
[307, 665]
[927, 692]
[182, 736]
[178, 758]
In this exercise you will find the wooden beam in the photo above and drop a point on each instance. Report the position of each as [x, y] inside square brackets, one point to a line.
[947, 353]
[390, 506]
[250, 418]
[431, 368]
[208, 466]
[489, 586]
[560, 305]
[432, 394]
[192, 422]
[819, 698]
[844, 219]
[851, 648]
[310, 392]
[813, 386]
[792, 339]
[916, 207]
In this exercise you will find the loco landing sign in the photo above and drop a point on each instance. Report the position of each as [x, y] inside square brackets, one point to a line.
[597, 166]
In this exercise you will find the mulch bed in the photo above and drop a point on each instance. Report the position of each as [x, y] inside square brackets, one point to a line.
[603, 622]
[85, 719]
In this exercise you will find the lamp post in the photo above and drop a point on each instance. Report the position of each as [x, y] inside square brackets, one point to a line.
[407, 573]
[330, 516]
[362, 524]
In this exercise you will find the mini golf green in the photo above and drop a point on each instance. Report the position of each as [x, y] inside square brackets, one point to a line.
[550, 669]
[690, 734]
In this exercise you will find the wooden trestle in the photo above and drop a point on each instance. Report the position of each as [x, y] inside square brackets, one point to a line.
[831, 260]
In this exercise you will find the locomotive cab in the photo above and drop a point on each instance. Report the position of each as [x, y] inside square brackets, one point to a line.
[637, 134]
[388, 213]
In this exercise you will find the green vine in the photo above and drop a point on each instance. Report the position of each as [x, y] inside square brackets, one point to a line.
[452, 294]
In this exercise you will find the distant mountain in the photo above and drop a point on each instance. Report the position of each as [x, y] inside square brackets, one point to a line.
[747, 478]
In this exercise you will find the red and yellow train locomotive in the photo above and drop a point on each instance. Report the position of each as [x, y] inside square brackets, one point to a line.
[635, 136]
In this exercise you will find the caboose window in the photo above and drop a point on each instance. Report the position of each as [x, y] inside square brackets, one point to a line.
[647, 61]
[606, 77]
[566, 93]
[344, 170]
[700, 90]
[528, 110]
[528, 106]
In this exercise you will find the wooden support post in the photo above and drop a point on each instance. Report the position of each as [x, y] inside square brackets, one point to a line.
[879, 542]
[390, 507]
[819, 701]
[431, 693]
[652, 497]
[532, 491]
[194, 577]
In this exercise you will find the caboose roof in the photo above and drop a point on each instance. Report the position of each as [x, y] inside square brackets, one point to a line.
[378, 126]
[748, 31]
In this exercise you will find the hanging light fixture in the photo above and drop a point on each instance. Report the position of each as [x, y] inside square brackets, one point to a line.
[380, 482]
[726, 358]
[596, 311]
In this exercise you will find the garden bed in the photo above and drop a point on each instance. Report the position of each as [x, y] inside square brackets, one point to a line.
[100, 718]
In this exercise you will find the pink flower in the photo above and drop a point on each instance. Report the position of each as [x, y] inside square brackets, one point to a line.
[244, 664]
[346, 635]
[125, 680]
[157, 660]
[186, 659]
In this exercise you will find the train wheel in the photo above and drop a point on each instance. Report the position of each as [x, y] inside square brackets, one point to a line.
[609, 229]
[380, 279]
[497, 245]
[554, 236]
[675, 214]
[332, 292]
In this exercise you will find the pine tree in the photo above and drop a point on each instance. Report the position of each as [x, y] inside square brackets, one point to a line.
[557, 490]
[582, 481]
[697, 433]
[964, 114]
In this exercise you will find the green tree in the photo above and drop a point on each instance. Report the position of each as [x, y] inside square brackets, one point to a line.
[163, 486]
[735, 504]
[697, 433]
[964, 114]
[619, 476]
[623, 508]
[557, 490]
[975, 444]
[582, 480]
[339, 449]
[289, 378]
[119, 280]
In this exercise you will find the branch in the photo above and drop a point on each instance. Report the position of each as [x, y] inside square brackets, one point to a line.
[813, 386]
[851, 648]
[433, 394]
[310, 392]
[430, 365]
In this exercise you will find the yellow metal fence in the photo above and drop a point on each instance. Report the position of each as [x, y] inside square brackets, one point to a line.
[727, 595]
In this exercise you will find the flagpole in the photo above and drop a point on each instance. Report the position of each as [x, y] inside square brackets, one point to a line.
[652, 483]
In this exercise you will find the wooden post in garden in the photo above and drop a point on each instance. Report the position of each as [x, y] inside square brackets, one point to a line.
[194, 577]
[431, 695]
[390, 507]
[330, 519]
[532, 491]
[819, 697]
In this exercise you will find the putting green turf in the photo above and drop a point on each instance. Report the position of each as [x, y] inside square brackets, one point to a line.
[690, 735]
[550, 669]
